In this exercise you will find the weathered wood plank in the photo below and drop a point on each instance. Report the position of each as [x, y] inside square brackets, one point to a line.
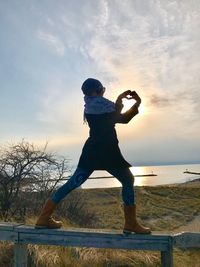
[8, 226]
[92, 232]
[187, 240]
[8, 236]
[92, 238]
[86, 237]
[117, 241]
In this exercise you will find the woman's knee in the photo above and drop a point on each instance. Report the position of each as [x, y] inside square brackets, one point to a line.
[129, 177]
[79, 177]
[125, 176]
[128, 182]
[79, 180]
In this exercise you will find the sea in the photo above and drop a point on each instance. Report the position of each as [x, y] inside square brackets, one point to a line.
[166, 174]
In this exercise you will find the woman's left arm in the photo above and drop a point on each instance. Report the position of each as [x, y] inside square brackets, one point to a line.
[133, 111]
[118, 104]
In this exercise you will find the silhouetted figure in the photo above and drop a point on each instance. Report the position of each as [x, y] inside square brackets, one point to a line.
[100, 152]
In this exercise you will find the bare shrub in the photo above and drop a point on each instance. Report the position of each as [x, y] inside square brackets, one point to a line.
[27, 169]
[74, 208]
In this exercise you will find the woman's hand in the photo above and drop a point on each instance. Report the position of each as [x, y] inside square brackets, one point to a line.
[129, 95]
[124, 95]
[135, 96]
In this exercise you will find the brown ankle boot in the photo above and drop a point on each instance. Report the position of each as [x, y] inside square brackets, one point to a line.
[131, 223]
[45, 220]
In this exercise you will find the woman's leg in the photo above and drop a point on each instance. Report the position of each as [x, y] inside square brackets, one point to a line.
[78, 178]
[126, 178]
[131, 224]
[45, 220]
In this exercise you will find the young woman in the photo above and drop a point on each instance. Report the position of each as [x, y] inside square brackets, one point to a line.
[100, 152]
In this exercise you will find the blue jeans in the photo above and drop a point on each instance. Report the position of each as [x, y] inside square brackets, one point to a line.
[80, 176]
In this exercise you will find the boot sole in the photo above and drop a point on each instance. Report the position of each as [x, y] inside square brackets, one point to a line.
[126, 232]
[41, 227]
[46, 227]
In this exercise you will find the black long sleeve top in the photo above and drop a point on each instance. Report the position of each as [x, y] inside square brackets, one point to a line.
[101, 150]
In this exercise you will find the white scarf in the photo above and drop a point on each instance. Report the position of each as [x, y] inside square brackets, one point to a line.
[98, 105]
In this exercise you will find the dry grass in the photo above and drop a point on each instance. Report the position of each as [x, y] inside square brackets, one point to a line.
[164, 208]
[6, 254]
[84, 257]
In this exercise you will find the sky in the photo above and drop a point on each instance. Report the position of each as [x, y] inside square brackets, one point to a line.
[48, 48]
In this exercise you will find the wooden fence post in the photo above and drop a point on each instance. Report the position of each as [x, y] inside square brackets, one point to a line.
[167, 258]
[20, 255]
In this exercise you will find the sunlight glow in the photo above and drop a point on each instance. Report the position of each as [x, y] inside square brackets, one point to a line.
[128, 104]
[140, 181]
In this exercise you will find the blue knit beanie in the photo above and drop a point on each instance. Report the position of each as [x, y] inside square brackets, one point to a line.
[91, 85]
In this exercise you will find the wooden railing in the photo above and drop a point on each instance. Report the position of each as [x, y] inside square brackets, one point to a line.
[22, 235]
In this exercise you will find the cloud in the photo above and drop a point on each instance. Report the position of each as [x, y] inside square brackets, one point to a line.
[152, 46]
[52, 41]
[161, 101]
[149, 46]
[59, 110]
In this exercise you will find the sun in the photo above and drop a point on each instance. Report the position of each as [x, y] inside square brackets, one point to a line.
[128, 104]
